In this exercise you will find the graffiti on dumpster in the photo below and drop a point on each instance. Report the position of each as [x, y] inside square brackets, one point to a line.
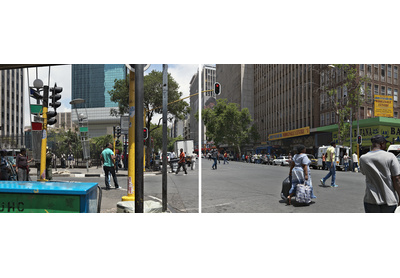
[7, 207]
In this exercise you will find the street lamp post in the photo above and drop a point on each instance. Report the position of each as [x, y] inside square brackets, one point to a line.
[83, 131]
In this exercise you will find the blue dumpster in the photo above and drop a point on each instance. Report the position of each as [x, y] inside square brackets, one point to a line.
[47, 197]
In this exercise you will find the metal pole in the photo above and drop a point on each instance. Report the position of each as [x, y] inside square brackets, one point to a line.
[44, 135]
[351, 130]
[139, 97]
[164, 141]
[131, 141]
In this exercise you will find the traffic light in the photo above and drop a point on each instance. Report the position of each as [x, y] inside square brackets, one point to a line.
[55, 96]
[51, 120]
[359, 139]
[118, 131]
[145, 133]
[217, 88]
[35, 94]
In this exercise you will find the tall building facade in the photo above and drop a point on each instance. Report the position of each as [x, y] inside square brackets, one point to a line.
[92, 83]
[207, 78]
[291, 104]
[11, 109]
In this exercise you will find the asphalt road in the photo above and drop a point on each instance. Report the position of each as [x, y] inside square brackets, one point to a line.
[182, 191]
[243, 187]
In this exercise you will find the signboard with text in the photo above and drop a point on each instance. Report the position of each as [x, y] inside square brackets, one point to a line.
[289, 133]
[383, 106]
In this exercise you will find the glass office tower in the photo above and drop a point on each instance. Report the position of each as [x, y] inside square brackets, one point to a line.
[92, 83]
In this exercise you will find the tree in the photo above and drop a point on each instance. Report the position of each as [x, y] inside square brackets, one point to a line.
[348, 104]
[227, 125]
[153, 88]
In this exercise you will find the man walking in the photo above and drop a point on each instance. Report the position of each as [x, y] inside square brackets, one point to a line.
[382, 177]
[355, 162]
[214, 157]
[226, 158]
[181, 163]
[107, 157]
[330, 163]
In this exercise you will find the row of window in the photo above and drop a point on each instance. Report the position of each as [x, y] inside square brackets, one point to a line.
[383, 68]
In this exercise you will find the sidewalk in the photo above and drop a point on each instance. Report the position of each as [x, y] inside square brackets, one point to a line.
[93, 172]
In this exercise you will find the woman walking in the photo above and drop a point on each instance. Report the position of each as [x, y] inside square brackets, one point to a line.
[300, 172]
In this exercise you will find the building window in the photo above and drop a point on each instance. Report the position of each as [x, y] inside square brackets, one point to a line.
[389, 70]
[362, 67]
[383, 71]
[369, 113]
[395, 72]
[369, 93]
[383, 91]
[396, 115]
[322, 120]
[376, 90]
[389, 91]
[395, 95]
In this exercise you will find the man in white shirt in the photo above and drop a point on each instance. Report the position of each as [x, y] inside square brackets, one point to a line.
[355, 162]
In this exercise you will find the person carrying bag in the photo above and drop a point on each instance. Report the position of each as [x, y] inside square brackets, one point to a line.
[301, 178]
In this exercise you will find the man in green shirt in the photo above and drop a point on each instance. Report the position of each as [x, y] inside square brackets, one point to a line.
[330, 163]
[107, 157]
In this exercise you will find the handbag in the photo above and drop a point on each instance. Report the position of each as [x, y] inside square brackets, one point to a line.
[303, 193]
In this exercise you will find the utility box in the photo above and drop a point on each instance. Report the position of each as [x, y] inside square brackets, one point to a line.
[47, 197]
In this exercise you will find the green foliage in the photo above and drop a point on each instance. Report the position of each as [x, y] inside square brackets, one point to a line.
[172, 141]
[225, 124]
[153, 89]
[343, 107]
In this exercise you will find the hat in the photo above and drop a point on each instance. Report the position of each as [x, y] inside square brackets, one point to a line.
[378, 139]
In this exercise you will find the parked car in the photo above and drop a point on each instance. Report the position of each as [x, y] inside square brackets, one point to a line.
[281, 160]
[314, 161]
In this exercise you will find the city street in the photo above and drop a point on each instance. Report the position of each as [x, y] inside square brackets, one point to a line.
[182, 191]
[243, 187]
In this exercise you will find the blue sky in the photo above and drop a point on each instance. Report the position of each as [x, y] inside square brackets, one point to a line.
[182, 73]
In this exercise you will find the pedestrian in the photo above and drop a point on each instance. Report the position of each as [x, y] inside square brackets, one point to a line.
[194, 158]
[214, 157]
[323, 161]
[107, 157]
[117, 160]
[49, 158]
[346, 162]
[299, 172]
[172, 161]
[382, 177]
[226, 158]
[330, 163]
[22, 167]
[355, 162]
[71, 160]
[5, 169]
[181, 163]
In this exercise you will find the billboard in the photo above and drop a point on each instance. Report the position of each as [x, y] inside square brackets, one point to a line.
[383, 106]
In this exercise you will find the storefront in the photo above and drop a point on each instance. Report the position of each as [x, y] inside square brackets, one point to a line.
[388, 127]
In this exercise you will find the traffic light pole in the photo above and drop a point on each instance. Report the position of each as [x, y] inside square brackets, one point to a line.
[42, 176]
[131, 140]
[139, 97]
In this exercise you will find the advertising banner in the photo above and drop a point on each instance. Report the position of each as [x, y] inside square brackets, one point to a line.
[383, 106]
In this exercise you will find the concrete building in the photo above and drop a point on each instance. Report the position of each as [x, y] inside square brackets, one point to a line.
[290, 103]
[11, 109]
[207, 79]
[92, 83]
[64, 121]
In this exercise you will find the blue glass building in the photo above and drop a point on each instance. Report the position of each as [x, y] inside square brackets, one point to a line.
[92, 83]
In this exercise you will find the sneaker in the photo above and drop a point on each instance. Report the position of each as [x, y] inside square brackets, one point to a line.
[335, 185]
[322, 182]
[185, 174]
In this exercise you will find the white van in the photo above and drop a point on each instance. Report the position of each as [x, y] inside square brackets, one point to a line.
[340, 151]
[395, 149]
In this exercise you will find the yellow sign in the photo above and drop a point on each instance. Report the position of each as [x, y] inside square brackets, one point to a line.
[289, 133]
[383, 106]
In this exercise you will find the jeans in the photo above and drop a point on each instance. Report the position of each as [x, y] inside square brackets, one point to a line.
[332, 172]
[355, 165]
[215, 163]
[346, 166]
[372, 208]
[111, 170]
[226, 160]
